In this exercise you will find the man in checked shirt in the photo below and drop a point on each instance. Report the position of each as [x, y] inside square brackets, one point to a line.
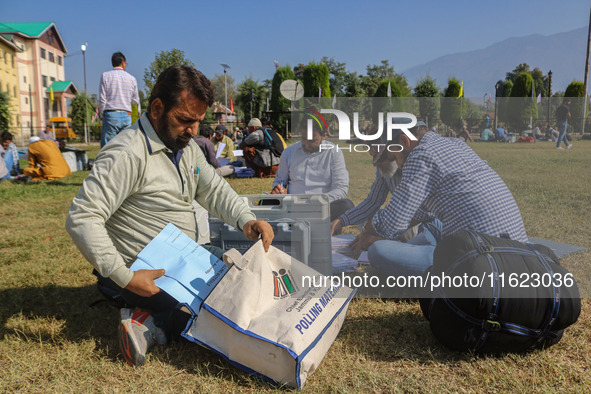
[438, 182]
[117, 92]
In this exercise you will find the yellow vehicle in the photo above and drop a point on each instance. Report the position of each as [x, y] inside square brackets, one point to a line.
[62, 128]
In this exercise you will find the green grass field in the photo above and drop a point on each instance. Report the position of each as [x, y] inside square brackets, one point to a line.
[51, 340]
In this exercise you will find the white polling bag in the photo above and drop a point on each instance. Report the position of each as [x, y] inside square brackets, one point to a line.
[261, 319]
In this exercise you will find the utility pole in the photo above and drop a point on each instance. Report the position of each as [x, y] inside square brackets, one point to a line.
[586, 75]
[83, 47]
[226, 67]
[549, 96]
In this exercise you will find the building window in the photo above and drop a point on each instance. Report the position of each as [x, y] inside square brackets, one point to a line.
[43, 56]
[14, 91]
[59, 60]
[51, 57]
[24, 78]
[5, 57]
[12, 57]
[44, 80]
[52, 79]
[26, 100]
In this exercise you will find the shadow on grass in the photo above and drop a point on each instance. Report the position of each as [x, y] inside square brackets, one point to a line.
[67, 305]
[402, 334]
[46, 182]
[30, 312]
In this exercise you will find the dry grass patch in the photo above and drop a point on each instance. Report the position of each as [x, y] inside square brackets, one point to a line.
[51, 340]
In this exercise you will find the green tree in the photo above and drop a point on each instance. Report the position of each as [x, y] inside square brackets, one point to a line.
[540, 81]
[218, 85]
[504, 105]
[512, 75]
[452, 106]
[207, 120]
[353, 86]
[316, 75]
[250, 98]
[278, 104]
[78, 108]
[143, 100]
[428, 94]
[377, 73]
[523, 108]
[382, 89]
[4, 111]
[338, 72]
[299, 71]
[576, 91]
[161, 62]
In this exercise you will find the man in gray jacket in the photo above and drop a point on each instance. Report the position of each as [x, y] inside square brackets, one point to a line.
[146, 177]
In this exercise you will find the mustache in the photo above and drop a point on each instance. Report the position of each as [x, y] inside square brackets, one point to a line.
[185, 136]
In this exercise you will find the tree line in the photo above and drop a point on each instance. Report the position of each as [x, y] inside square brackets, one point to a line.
[329, 78]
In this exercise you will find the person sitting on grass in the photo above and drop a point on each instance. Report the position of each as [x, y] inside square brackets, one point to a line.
[220, 137]
[487, 135]
[439, 182]
[45, 160]
[501, 134]
[208, 149]
[10, 154]
[305, 168]
[146, 177]
[262, 149]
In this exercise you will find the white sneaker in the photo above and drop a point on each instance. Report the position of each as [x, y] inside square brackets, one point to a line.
[137, 334]
[559, 147]
[569, 146]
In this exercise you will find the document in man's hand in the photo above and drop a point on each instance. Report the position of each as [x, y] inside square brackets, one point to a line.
[221, 147]
[191, 271]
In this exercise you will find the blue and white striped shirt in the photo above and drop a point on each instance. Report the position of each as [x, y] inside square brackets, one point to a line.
[118, 91]
[444, 178]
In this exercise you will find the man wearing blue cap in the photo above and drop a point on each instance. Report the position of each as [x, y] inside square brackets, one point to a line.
[438, 182]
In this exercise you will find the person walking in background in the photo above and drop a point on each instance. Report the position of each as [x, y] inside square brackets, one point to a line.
[117, 92]
[562, 117]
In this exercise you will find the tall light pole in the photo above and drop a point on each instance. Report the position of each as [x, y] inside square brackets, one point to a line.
[549, 95]
[586, 84]
[496, 99]
[226, 67]
[83, 47]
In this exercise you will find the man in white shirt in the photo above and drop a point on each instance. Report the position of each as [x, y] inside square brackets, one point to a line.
[314, 165]
[117, 92]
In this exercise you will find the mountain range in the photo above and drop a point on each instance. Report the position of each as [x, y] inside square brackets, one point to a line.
[563, 53]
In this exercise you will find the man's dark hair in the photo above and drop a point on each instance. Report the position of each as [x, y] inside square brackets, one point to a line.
[206, 132]
[566, 100]
[6, 136]
[117, 59]
[172, 81]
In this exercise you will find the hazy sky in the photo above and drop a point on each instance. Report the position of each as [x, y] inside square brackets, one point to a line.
[250, 35]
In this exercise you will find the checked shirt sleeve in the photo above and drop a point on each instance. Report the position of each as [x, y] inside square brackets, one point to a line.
[368, 207]
[418, 178]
